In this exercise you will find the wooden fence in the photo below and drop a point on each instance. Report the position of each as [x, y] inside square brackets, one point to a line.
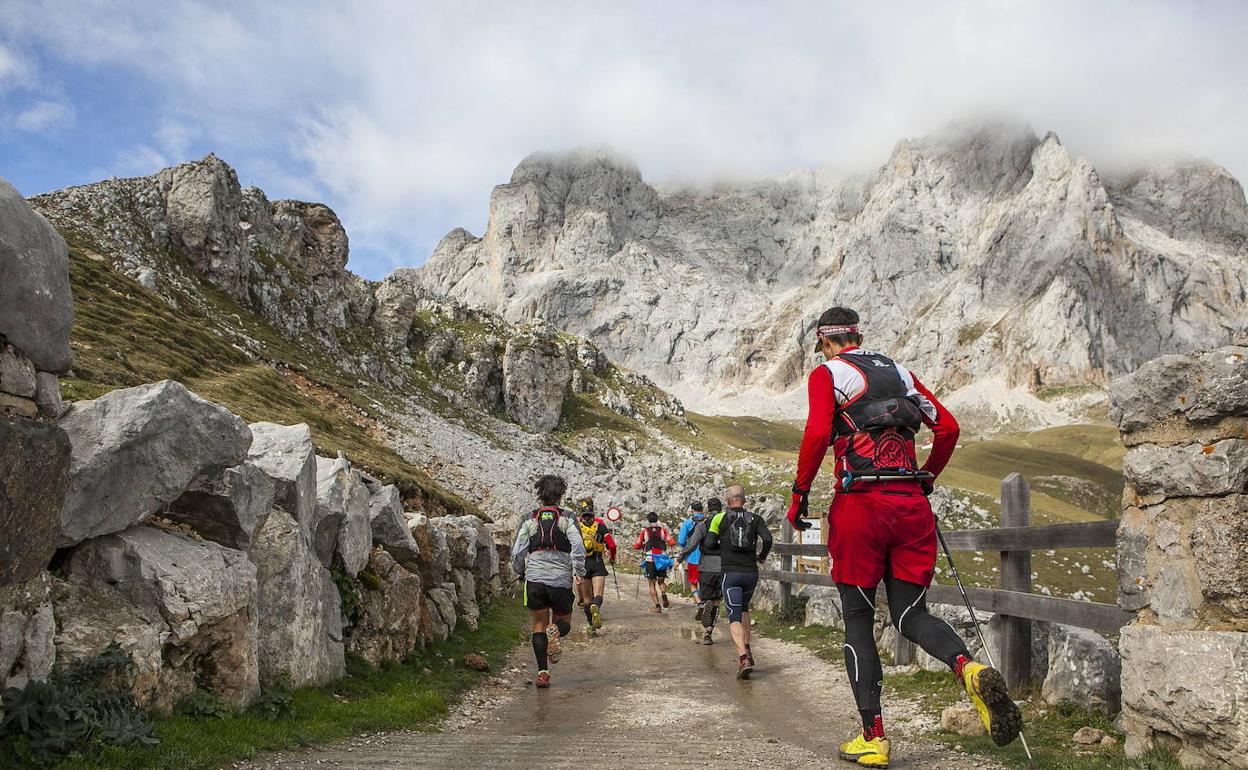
[1014, 600]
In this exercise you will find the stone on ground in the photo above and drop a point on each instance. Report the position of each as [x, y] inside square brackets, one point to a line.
[341, 522]
[388, 622]
[287, 455]
[1084, 670]
[963, 719]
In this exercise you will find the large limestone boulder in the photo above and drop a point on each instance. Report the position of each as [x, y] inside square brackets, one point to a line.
[435, 562]
[389, 527]
[341, 523]
[198, 598]
[1193, 470]
[1182, 396]
[536, 375]
[286, 454]
[138, 449]
[461, 541]
[27, 631]
[301, 636]
[1084, 669]
[466, 606]
[34, 470]
[1186, 691]
[389, 615]
[36, 307]
[228, 509]
[443, 610]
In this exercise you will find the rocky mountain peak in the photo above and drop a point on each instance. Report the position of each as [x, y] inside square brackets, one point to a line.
[990, 259]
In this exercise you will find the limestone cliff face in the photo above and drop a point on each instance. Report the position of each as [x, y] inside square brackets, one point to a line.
[987, 258]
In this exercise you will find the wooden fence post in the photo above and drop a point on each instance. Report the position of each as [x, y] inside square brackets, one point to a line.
[1015, 576]
[786, 565]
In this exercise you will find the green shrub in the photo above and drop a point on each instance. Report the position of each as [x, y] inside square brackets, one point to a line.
[275, 701]
[204, 704]
[84, 705]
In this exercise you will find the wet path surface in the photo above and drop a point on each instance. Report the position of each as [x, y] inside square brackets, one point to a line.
[645, 694]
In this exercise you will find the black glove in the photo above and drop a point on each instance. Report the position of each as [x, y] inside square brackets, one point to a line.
[928, 486]
[798, 505]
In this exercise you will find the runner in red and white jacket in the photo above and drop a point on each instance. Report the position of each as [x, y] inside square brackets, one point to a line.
[868, 408]
[653, 540]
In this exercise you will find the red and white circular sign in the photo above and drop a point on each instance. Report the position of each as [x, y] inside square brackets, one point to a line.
[613, 514]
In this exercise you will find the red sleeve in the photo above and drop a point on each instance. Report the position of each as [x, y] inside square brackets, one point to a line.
[641, 540]
[818, 435]
[609, 539]
[668, 537]
[945, 432]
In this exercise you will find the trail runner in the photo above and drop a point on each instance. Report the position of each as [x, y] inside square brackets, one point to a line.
[868, 409]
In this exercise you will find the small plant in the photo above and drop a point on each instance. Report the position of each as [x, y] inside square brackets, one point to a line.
[349, 594]
[201, 703]
[794, 611]
[275, 701]
[87, 703]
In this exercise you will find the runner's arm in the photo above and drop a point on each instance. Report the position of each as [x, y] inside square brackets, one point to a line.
[764, 534]
[520, 548]
[821, 401]
[578, 546]
[667, 536]
[641, 540]
[944, 427]
[711, 541]
[609, 540]
[692, 542]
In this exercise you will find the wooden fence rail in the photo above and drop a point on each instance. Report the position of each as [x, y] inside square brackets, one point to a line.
[1014, 601]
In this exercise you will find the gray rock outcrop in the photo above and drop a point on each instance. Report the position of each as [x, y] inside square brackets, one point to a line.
[1183, 556]
[389, 527]
[986, 255]
[536, 375]
[228, 509]
[196, 606]
[36, 307]
[305, 641]
[138, 449]
[341, 523]
[286, 454]
[34, 471]
[389, 622]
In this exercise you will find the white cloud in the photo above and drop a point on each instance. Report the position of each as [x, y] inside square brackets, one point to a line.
[44, 116]
[405, 115]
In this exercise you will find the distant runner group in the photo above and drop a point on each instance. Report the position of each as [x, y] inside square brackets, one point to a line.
[867, 409]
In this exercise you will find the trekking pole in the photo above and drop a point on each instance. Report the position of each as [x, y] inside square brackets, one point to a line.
[1031, 762]
[615, 580]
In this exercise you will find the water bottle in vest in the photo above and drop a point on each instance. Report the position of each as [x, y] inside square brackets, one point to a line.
[741, 536]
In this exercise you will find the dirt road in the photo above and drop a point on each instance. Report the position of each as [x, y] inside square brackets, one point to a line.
[645, 694]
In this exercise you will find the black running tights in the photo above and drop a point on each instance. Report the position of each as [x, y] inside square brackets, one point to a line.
[907, 604]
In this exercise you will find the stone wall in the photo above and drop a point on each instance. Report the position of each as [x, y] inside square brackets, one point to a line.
[1183, 555]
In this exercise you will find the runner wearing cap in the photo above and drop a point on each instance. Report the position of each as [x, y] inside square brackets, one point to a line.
[599, 550]
[868, 409]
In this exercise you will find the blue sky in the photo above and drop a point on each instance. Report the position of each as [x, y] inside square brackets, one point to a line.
[402, 116]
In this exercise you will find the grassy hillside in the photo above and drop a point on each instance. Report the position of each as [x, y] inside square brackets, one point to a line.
[126, 335]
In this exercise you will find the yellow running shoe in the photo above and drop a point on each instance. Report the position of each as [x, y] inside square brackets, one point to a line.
[596, 614]
[997, 709]
[867, 753]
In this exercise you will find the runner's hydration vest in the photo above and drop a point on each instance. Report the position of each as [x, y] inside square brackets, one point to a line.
[654, 537]
[549, 535]
[879, 424]
[738, 533]
[594, 540]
